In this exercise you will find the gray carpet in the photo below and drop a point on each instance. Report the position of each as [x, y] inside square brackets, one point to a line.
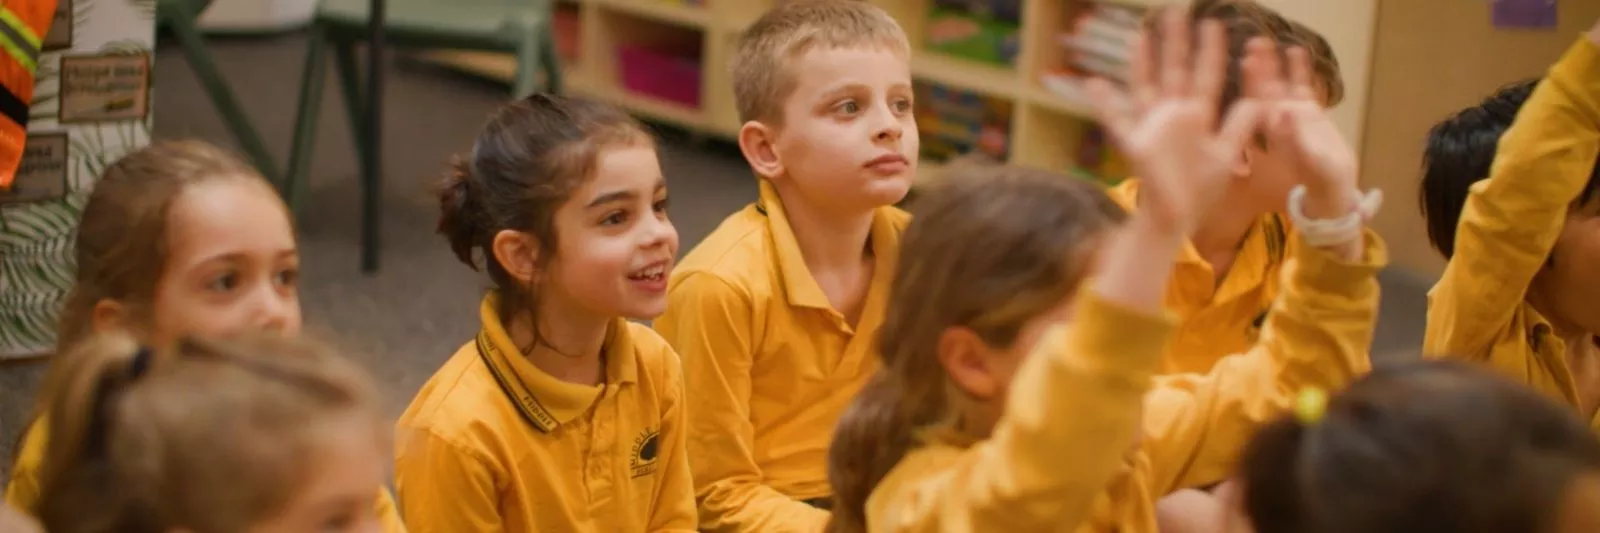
[414, 313]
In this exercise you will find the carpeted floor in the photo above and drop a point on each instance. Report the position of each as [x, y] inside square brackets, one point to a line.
[408, 318]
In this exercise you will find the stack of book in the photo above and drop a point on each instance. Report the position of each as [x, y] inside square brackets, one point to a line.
[1095, 45]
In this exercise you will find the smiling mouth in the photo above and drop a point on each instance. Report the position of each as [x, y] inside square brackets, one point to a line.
[654, 272]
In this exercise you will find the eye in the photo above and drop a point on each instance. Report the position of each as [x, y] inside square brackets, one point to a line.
[848, 107]
[902, 105]
[614, 218]
[339, 522]
[662, 205]
[288, 277]
[224, 282]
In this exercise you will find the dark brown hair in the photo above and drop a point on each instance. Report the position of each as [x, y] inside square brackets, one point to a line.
[1417, 447]
[990, 248]
[763, 63]
[1243, 20]
[531, 156]
[132, 451]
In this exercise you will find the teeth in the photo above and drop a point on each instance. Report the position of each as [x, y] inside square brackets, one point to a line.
[655, 272]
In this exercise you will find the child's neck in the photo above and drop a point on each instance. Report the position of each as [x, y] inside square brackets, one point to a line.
[1219, 234]
[569, 345]
[1582, 356]
[835, 247]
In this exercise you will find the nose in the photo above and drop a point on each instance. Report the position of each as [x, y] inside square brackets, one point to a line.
[275, 311]
[889, 127]
[659, 230]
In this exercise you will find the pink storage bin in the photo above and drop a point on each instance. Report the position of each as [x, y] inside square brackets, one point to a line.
[671, 75]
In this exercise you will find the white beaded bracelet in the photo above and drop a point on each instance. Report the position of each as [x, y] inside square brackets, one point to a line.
[1324, 232]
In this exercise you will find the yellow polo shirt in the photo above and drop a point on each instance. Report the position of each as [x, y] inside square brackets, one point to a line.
[1477, 311]
[505, 447]
[1219, 319]
[770, 365]
[1031, 477]
[22, 492]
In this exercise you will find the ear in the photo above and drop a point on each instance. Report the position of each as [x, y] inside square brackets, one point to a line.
[108, 315]
[518, 253]
[1247, 155]
[756, 141]
[966, 359]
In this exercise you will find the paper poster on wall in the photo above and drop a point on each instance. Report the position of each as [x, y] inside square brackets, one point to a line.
[43, 174]
[104, 88]
[1526, 14]
[91, 105]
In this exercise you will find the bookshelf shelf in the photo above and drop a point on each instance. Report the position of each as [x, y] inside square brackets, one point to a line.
[1037, 118]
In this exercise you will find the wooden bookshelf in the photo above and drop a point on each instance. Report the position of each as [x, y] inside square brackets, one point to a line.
[1040, 122]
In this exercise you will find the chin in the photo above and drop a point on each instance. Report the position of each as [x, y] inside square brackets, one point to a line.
[888, 190]
[646, 310]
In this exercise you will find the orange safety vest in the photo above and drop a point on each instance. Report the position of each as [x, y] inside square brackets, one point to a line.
[23, 25]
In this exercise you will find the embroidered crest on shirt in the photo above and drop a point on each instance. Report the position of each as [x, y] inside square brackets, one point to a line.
[646, 447]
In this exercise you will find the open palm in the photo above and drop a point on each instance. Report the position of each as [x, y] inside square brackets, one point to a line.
[1166, 121]
[1294, 119]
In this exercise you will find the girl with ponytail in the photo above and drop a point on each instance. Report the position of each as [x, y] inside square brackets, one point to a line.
[287, 437]
[1025, 323]
[560, 414]
[1418, 447]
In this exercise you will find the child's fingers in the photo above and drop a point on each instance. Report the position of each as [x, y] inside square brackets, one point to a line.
[1252, 70]
[1174, 52]
[1300, 74]
[1112, 109]
[1266, 72]
[1243, 120]
[1211, 63]
[1141, 79]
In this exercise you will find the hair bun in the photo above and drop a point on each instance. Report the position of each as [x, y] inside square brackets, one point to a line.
[456, 211]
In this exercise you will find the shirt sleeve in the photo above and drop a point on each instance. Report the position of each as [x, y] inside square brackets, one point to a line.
[1319, 334]
[22, 491]
[1071, 416]
[708, 321]
[1511, 221]
[445, 488]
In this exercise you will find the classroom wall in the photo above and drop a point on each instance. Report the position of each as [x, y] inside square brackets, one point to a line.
[1431, 58]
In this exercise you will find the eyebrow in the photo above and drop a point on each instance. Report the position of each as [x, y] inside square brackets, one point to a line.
[661, 183]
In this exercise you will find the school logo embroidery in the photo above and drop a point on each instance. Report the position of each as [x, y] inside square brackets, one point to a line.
[645, 449]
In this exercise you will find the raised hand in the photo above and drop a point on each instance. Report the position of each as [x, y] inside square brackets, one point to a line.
[1294, 120]
[1166, 123]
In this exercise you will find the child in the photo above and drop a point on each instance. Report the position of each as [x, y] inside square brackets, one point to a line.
[289, 437]
[1520, 287]
[982, 422]
[1226, 279]
[561, 415]
[179, 238]
[1425, 446]
[775, 312]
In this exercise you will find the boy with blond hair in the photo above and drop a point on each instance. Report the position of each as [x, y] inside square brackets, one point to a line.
[1227, 276]
[775, 313]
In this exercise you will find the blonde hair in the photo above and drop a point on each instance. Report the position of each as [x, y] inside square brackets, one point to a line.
[990, 248]
[763, 75]
[205, 435]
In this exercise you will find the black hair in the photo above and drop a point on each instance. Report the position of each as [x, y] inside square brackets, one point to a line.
[1460, 152]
